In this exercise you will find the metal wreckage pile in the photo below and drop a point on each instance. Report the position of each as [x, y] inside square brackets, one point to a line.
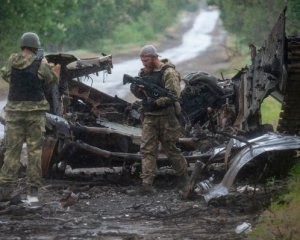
[220, 117]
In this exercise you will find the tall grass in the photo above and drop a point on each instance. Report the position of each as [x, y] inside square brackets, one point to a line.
[282, 220]
[270, 109]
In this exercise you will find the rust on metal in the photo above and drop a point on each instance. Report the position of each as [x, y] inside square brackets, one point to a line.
[47, 154]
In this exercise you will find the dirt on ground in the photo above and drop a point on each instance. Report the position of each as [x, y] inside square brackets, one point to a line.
[101, 208]
[86, 206]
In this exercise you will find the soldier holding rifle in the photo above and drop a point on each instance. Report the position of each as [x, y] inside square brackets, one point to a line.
[160, 123]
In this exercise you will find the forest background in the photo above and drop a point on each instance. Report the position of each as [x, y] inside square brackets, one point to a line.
[103, 25]
[95, 25]
[252, 20]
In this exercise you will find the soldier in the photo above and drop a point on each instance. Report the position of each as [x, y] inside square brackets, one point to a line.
[160, 123]
[29, 77]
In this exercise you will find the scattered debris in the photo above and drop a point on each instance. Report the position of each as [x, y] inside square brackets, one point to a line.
[246, 188]
[243, 228]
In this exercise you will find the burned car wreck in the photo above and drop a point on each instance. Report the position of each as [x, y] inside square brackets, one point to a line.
[221, 118]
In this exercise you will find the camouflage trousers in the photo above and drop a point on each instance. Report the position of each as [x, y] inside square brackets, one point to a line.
[166, 130]
[23, 127]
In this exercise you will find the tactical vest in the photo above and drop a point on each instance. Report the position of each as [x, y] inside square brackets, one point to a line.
[25, 84]
[156, 77]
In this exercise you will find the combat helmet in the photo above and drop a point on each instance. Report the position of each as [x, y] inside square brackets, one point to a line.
[30, 39]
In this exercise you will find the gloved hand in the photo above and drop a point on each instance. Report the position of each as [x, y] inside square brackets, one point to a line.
[134, 87]
[149, 105]
[136, 91]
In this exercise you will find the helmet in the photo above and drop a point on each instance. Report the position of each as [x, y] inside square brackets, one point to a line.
[149, 50]
[30, 39]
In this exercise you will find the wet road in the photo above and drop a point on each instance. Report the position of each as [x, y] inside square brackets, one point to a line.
[194, 42]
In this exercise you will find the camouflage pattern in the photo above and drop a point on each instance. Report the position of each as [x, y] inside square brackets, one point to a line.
[45, 74]
[166, 130]
[22, 127]
[161, 126]
[25, 122]
[171, 79]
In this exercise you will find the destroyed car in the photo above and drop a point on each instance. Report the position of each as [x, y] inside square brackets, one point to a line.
[94, 129]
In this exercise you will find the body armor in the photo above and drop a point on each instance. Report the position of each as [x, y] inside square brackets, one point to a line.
[155, 78]
[25, 84]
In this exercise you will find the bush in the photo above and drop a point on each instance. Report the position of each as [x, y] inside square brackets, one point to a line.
[282, 220]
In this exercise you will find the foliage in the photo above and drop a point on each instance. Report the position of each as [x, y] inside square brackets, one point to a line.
[270, 110]
[282, 220]
[73, 24]
[252, 20]
[49, 19]
[293, 17]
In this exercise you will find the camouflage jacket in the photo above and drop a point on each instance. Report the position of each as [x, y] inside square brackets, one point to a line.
[45, 74]
[171, 79]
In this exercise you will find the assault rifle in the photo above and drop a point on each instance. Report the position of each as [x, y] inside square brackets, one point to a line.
[151, 90]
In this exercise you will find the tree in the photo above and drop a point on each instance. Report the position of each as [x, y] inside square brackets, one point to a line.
[65, 25]
[252, 20]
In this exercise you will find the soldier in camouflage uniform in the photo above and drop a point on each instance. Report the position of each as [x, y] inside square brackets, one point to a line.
[28, 77]
[160, 123]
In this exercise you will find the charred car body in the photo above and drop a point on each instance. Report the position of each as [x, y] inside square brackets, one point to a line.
[98, 130]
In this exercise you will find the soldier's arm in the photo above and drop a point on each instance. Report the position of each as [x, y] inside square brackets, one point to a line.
[5, 71]
[136, 90]
[172, 83]
[48, 76]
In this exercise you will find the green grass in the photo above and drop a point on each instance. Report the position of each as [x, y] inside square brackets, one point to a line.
[282, 220]
[270, 109]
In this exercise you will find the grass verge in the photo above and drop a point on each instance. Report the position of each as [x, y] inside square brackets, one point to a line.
[270, 109]
[281, 221]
